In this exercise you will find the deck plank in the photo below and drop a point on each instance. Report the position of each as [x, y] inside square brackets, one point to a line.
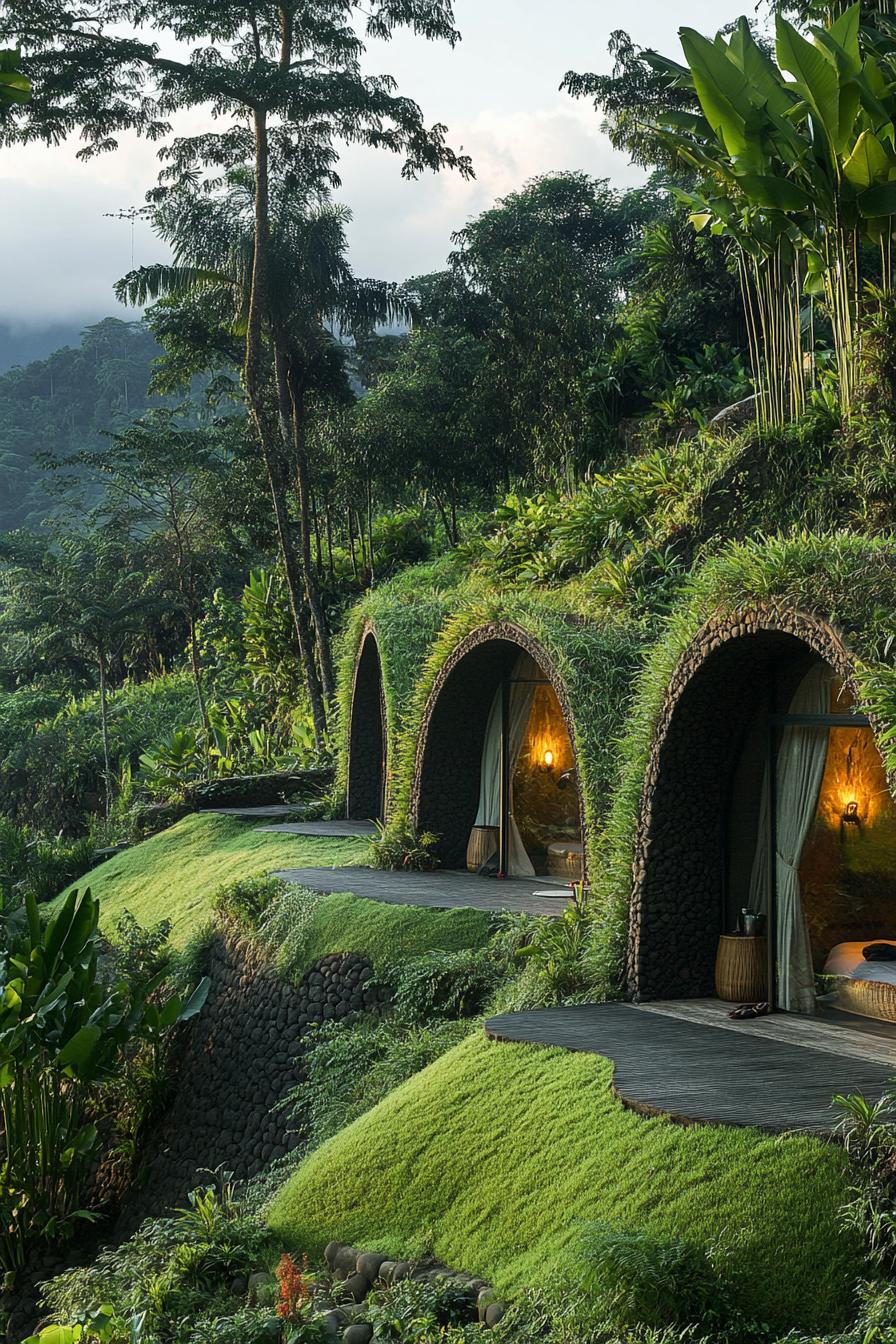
[337, 830]
[439, 890]
[699, 1071]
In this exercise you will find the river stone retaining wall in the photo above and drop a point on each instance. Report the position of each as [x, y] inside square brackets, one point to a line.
[353, 1274]
[239, 1059]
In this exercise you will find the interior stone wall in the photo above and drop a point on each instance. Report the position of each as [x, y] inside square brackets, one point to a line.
[678, 881]
[445, 796]
[367, 736]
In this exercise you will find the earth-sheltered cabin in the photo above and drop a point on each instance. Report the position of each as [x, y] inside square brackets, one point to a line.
[764, 858]
[501, 712]
[496, 775]
[719, 781]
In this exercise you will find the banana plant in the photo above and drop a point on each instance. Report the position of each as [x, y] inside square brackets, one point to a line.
[63, 1032]
[796, 165]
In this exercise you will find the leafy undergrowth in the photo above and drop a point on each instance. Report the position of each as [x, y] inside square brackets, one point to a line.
[174, 875]
[491, 1155]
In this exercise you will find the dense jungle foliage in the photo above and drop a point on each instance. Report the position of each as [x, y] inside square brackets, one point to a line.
[611, 413]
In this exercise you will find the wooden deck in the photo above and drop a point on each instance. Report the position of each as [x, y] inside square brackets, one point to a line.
[439, 890]
[778, 1073]
[337, 830]
[269, 812]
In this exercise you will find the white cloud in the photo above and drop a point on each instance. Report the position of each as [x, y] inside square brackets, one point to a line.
[62, 254]
[497, 92]
[403, 228]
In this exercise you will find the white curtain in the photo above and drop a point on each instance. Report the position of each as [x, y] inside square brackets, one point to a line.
[802, 753]
[522, 690]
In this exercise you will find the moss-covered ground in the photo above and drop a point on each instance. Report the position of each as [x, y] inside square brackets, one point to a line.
[389, 933]
[175, 874]
[491, 1155]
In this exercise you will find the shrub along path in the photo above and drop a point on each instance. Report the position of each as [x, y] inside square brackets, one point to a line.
[698, 1071]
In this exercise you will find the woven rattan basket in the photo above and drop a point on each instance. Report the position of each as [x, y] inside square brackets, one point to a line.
[482, 845]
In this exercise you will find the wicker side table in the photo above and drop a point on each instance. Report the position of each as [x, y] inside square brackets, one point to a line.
[742, 969]
[483, 843]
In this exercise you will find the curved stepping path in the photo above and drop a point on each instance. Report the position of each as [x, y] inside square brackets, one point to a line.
[440, 890]
[700, 1072]
[339, 830]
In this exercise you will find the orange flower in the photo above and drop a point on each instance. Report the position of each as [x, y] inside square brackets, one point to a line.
[295, 1287]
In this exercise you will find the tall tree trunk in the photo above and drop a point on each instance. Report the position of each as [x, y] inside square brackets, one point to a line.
[444, 517]
[253, 379]
[351, 543]
[197, 679]
[370, 524]
[329, 526]
[312, 586]
[318, 548]
[104, 731]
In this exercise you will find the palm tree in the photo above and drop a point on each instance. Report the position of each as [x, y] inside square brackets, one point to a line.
[314, 296]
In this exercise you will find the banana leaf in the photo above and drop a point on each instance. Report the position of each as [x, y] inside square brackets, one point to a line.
[869, 163]
[878, 201]
[815, 75]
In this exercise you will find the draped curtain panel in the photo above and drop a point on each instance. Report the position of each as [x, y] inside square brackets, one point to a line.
[522, 690]
[802, 753]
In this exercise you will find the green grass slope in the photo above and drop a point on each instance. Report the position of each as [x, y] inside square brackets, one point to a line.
[491, 1154]
[175, 874]
[389, 933]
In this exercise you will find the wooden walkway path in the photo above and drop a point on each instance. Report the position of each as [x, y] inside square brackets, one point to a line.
[440, 890]
[700, 1072]
[338, 830]
[270, 812]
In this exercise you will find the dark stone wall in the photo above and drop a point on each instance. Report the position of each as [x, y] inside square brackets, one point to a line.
[367, 736]
[240, 1057]
[449, 751]
[679, 875]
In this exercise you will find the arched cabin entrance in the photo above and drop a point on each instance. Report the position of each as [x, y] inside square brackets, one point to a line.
[366, 799]
[767, 835]
[496, 773]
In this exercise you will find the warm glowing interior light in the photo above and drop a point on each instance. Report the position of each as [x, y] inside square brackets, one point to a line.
[549, 759]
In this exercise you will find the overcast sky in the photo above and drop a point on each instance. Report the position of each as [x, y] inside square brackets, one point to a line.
[497, 92]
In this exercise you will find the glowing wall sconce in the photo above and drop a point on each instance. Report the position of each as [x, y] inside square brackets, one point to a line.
[547, 761]
[851, 820]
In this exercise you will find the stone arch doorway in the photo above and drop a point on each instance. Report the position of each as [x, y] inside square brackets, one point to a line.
[499, 712]
[366, 794]
[710, 808]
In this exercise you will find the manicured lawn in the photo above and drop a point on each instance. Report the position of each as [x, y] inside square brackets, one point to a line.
[389, 933]
[492, 1153]
[175, 874]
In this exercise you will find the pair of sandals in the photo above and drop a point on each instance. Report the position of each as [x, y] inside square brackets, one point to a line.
[750, 1010]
